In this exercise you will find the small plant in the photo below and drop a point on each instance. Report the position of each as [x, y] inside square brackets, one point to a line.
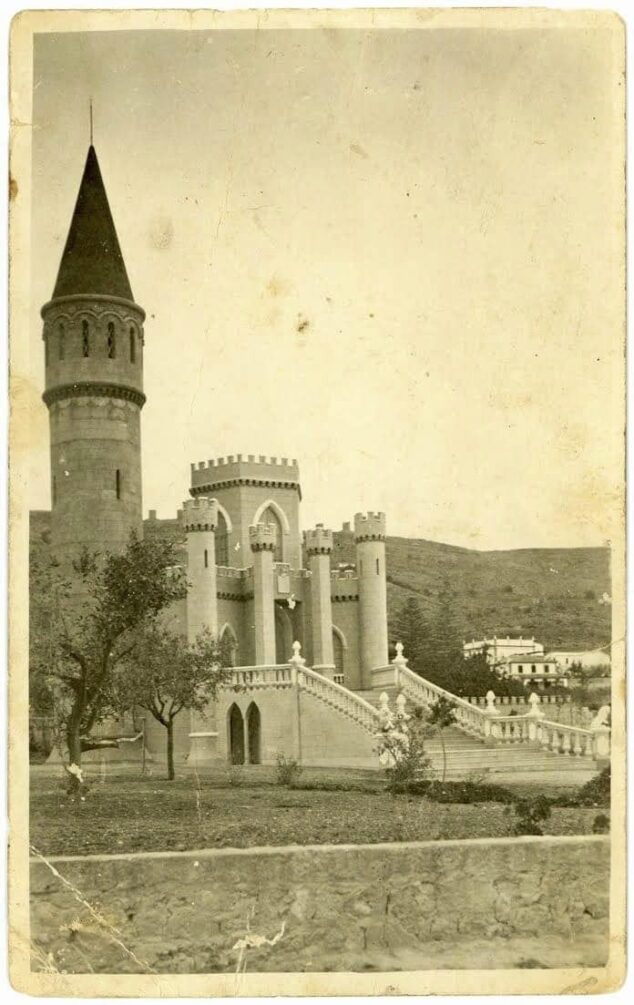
[601, 824]
[529, 814]
[402, 749]
[234, 776]
[288, 770]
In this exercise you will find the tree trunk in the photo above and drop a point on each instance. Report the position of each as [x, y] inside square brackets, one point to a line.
[170, 750]
[73, 741]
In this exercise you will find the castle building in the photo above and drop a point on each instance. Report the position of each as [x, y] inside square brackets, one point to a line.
[257, 583]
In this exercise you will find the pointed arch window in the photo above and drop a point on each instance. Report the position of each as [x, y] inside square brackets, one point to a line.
[112, 341]
[132, 346]
[271, 518]
[222, 541]
[62, 341]
[85, 339]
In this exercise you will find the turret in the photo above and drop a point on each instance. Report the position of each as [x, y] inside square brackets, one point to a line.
[263, 540]
[369, 534]
[319, 543]
[93, 344]
[200, 518]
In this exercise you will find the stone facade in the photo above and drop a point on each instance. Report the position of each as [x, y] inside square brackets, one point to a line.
[480, 904]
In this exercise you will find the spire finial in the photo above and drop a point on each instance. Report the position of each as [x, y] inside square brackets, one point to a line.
[90, 104]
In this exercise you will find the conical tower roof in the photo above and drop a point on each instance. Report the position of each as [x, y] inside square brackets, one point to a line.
[92, 261]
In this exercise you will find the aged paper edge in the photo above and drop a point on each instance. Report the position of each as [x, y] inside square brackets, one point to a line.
[568, 981]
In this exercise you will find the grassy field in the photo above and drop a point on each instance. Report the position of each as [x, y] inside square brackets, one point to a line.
[125, 812]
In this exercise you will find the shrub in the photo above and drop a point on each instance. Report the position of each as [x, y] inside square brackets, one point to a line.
[404, 741]
[460, 792]
[529, 813]
[601, 824]
[596, 792]
[288, 770]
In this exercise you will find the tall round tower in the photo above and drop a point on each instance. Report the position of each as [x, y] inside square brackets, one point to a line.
[369, 534]
[93, 344]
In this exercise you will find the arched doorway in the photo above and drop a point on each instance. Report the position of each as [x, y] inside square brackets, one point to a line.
[236, 736]
[253, 733]
[283, 635]
[338, 656]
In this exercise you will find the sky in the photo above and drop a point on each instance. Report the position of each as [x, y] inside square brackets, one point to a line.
[394, 255]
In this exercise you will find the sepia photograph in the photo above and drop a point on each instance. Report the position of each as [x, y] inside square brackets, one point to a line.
[317, 534]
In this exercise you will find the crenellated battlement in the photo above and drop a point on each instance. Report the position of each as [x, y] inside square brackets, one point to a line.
[200, 514]
[263, 537]
[369, 527]
[279, 472]
[319, 540]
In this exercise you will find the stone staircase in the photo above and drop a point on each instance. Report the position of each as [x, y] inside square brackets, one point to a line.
[469, 755]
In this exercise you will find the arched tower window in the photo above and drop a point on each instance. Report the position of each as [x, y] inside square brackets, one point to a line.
[270, 517]
[222, 541]
[117, 482]
[228, 646]
[206, 559]
[112, 341]
[62, 337]
[85, 339]
[132, 346]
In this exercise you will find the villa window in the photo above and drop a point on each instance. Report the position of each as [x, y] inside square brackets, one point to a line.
[112, 341]
[85, 339]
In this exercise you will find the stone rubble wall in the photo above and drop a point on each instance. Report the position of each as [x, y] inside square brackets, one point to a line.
[340, 907]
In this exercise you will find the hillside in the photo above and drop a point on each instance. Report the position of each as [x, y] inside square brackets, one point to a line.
[549, 593]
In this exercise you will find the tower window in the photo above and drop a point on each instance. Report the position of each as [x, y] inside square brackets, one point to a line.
[85, 339]
[132, 346]
[377, 567]
[206, 559]
[112, 341]
[62, 347]
[117, 481]
[222, 541]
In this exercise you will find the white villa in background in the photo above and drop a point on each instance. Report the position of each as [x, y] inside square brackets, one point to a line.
[498, 650]
[534, 668]
[586, 659]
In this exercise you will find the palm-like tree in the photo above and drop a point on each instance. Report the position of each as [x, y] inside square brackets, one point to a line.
[441, 715]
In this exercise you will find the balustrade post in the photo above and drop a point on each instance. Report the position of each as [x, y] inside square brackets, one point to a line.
[533, 716]
[399, 663]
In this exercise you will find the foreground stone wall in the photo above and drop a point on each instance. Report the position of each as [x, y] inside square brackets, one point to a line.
[350, 907]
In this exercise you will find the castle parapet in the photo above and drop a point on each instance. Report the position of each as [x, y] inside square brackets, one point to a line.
[238, 469]
[318, 541]
[263, 537]
[200, 514]
[369, 527]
